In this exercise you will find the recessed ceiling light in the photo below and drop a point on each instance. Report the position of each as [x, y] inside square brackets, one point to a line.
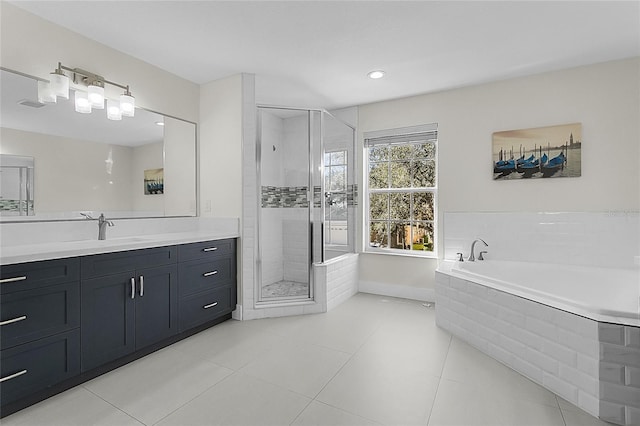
[376, 74]
[160, 123]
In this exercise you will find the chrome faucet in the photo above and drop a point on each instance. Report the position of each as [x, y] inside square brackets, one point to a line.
[102, 224]
[472, 257]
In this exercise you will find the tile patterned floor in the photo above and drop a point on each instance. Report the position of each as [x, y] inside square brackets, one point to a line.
[372, 361]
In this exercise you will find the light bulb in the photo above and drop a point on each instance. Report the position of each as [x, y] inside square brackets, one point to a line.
[127, 104]
[45, 92]
[113, 110]
[96, 96]
[82, 102]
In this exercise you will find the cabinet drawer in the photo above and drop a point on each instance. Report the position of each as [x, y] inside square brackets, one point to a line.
[33, 314]
[207, 249]
[112, 263]
[37, 365]
[26, 276]
[202, 307]
[201, 275]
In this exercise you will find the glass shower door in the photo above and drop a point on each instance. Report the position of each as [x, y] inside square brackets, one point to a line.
[284, 243]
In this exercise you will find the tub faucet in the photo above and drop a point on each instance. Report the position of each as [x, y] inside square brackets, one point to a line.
[102, 224]
[472, 257]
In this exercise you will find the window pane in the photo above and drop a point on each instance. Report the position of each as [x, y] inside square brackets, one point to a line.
[424, 173]
[423, 208]
[425, 150]
[399, 206]
[378, 175]
[378, 153]
[338, 206]
[338, 178]
[422, 236]
[327, 159]
[401, 152]
[400, 174]
[400, 235]
[378, 234]
[378, 206]
[339, 157]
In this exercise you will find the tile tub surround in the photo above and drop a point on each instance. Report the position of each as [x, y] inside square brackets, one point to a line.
[561, 351]
[28, 241]
[606, 239]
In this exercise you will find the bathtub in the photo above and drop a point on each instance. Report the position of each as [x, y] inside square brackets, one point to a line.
[574, 330]
[602, 294]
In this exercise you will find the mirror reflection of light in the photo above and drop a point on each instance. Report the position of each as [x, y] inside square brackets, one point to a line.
[109, 161]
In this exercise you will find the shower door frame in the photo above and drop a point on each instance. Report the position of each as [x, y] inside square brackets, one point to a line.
[259, 302]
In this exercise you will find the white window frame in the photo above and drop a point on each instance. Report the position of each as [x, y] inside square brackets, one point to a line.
[400, 136]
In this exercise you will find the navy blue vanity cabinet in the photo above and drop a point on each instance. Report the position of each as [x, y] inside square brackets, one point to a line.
[129, 301]
[39, 326]
[207, 281]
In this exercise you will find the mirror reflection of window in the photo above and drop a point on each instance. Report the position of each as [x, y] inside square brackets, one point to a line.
[16, 185]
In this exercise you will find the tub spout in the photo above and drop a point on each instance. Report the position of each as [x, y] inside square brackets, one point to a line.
[472, 256]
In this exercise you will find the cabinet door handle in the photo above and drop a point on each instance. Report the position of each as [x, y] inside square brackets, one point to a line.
[210, 249]
[11, 321]
[141, 285]
[208, 274]
[133, 288]
[12, 280]
[211, 305]
[13, 376]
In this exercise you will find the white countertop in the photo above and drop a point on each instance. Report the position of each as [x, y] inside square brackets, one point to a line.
[46, 251]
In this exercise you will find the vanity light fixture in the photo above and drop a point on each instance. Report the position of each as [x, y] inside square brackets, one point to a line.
[376, 74]
[93, 98]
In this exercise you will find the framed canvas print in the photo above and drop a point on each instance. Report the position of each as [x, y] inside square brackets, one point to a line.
[541, 152]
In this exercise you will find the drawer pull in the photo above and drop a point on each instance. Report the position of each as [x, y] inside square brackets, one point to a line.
[208, 274]
[211, 305]
[210, 249]
[133, 288]
[141, 285]
[13, 376]
[11, 321]
[12, 280]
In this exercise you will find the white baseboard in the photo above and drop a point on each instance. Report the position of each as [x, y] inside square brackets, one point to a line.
[394, 290]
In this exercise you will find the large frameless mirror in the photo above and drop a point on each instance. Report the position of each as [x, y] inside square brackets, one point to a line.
[141, 166]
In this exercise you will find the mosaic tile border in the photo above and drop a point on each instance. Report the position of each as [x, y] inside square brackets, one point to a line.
[275, 197]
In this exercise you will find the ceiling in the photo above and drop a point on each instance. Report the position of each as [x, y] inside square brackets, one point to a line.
[317, 53]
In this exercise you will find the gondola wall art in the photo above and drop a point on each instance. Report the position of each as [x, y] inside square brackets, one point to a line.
[153, 181]
[542, 152]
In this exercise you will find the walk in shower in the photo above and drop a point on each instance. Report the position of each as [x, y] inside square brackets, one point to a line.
[307, 196]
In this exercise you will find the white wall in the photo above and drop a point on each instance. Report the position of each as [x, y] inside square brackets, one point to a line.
[220, 161]
[603, 97]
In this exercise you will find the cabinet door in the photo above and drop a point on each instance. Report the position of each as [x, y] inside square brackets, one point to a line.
[156, 307]
[107, 319]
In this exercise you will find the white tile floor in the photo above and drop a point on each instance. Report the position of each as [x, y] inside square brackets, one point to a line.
[373, 360]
